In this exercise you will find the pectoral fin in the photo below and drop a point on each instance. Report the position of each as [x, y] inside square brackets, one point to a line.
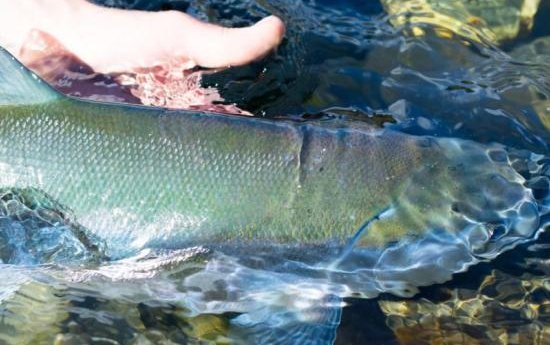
[313, 325]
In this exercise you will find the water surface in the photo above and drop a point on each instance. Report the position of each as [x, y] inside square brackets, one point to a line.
[340, 58]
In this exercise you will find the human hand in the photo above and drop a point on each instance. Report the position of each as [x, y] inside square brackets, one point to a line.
[113, 40]
[149, 66]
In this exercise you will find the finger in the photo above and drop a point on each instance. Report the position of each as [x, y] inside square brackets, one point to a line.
[214, 46]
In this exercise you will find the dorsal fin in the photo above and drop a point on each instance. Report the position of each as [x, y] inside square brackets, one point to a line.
[19, 86]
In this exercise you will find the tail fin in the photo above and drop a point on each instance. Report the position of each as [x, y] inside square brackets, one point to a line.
[314, 325]
[20, 86]
[474, 203]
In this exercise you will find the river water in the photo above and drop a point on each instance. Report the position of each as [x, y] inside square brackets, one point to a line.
[419, 67]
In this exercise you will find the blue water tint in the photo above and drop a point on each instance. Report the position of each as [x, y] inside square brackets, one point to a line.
[34, 229]
[339, 59]
[350, 56]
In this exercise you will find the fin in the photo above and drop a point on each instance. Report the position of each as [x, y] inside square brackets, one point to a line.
[477, 202]
[315, 325]
[385, 213]
[266, 307]
[20, 86]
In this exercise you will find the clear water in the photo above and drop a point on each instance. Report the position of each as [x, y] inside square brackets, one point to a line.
[340, 58]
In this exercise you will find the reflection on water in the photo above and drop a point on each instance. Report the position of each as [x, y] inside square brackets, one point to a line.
[475, 70]
[37, 230]
[356, 58]
[505, 302]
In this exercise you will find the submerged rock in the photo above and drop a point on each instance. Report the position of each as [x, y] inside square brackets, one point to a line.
[495, 20]
[132, 301]
[61, 313]
[35, 229]
[31, 312]
[508, 303]
[504, 310]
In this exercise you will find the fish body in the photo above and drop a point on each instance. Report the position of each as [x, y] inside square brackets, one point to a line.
[362, 197]
[217, 178]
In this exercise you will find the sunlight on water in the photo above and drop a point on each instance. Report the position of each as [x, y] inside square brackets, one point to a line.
[459, 256]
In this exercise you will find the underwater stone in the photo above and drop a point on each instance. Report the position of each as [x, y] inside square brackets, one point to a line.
[467, 316]
[35, 229]
[32, 312]
[504, 302]
[494, 21]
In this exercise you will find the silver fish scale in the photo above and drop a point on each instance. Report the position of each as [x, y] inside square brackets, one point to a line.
[139, 178]
[158, 178]
[168, 179]
[133, 185]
